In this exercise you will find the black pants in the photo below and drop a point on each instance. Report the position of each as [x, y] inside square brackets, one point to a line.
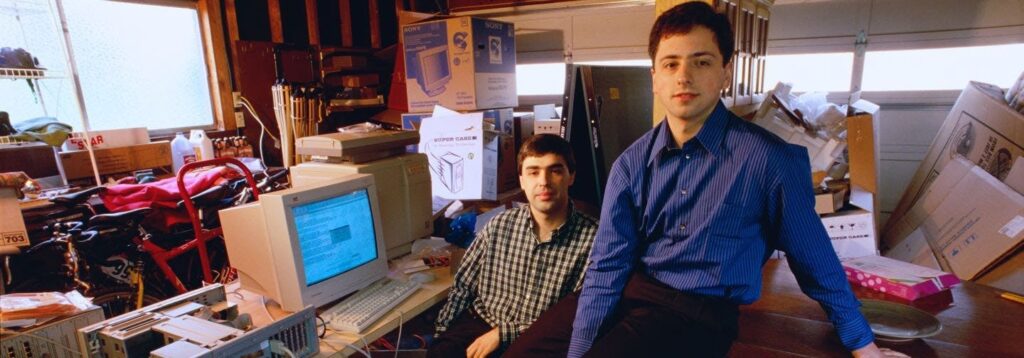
[651, 320]
[460, 334]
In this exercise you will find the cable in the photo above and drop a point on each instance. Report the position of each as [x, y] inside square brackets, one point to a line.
[278, 347]
[328, 342]
[398, 341]
[324, 333]
[248, 106]
[13, 334]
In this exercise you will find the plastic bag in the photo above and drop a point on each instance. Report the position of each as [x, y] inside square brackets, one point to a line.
[39, 305]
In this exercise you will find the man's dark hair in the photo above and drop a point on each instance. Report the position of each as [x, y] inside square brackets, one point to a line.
[543, 144]
[682, 18]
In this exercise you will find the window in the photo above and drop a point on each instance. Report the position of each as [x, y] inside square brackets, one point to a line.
[549, 78]
[540, 79]
[942, 68]
[829, 72]
[139, 65]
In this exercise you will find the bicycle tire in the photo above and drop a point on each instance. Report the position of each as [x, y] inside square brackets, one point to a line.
[117, 300]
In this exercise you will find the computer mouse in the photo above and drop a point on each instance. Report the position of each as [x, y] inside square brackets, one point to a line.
[422, 277]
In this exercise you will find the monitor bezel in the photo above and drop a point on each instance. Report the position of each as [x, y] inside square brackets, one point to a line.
[295, 294]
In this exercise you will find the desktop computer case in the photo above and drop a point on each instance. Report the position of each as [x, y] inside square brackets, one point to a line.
[63, 330]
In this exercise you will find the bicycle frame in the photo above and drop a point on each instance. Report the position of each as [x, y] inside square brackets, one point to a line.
[202, 235]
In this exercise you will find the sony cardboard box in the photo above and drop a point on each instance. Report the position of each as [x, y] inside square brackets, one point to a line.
[462, 63]
[982, 128]
[463, 155]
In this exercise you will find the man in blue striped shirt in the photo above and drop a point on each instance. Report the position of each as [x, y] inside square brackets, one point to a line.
[691, 212]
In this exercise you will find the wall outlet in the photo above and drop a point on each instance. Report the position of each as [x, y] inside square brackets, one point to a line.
[239, 119]
[236, 99]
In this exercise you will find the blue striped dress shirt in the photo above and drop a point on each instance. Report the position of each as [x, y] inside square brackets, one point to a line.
[704, 218]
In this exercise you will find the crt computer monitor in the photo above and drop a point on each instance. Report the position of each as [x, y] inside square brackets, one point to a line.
[434, 69]
[310, 245]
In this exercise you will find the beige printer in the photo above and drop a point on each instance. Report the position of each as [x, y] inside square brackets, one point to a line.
[402, 179]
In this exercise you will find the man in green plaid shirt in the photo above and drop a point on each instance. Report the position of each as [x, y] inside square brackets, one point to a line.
[522, 262]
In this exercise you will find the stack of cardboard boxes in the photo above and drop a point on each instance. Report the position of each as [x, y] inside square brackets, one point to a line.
[963, 211]
[464, 64]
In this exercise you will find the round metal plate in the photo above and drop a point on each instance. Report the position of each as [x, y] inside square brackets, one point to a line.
[894, 321]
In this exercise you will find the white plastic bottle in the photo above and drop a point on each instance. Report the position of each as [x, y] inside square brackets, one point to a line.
[181, 152]
[201, 144]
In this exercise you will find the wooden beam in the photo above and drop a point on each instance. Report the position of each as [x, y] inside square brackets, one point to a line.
[231, 16]
[276, 31]
[374, 24]
[345, 7]
[312, 24]
[214, 50]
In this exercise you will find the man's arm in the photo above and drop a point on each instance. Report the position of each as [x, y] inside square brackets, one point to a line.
[464, 287]
[611, 262]
[810, 254]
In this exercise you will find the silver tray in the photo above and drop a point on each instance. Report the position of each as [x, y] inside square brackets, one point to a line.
[897, 322]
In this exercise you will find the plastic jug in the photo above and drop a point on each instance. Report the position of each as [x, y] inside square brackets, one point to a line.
[181, 152]
[201, 144]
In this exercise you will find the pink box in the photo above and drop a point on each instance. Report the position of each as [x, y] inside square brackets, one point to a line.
[897, 278]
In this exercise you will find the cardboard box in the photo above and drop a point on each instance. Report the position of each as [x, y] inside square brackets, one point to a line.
[411, 121]
[829, 201]
[852, 232]
[1007, 275]
[517, 125]
[901, 228]
[12, 224]
[897, 278]
[916, 250]
[980, 220]
[107, 138]
[462, 63]
[980, 127]
[547, 126]
[116, 160]
[508, 173]
[463, 156]
[862, 149]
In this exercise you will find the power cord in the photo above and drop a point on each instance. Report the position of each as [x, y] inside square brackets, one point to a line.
[278, 347]
[248, 106]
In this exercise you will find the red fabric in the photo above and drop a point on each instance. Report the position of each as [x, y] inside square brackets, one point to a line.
[163, 195]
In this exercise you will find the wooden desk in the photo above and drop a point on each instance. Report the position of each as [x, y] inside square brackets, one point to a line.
[335, 344]
[785, 322]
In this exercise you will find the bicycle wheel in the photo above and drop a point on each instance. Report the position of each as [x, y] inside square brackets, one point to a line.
[117, 300]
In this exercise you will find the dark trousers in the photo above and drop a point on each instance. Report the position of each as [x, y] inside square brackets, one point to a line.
[651, 320]
[462, 333]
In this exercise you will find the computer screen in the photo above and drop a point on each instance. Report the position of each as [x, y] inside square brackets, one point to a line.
[335, 235]
[308, 245]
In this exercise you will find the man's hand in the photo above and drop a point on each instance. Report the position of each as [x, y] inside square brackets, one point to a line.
[484, 345]
[873, 351]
